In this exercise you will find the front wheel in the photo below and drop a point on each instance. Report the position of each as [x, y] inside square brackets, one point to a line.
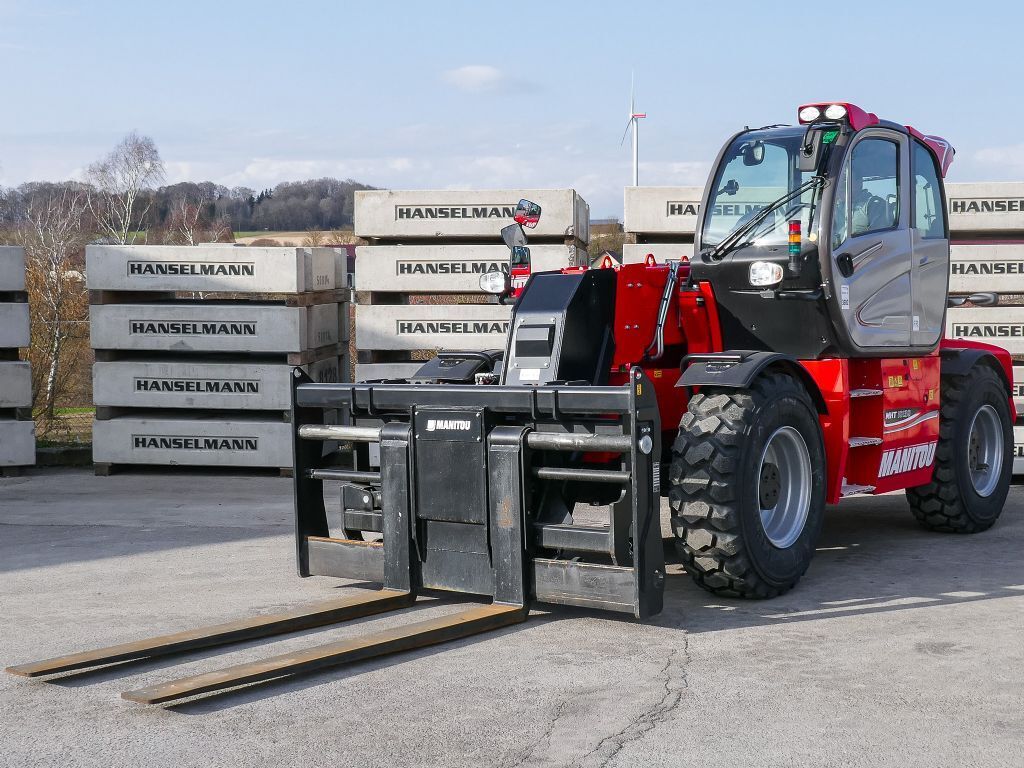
[973, 458]
[747, 487]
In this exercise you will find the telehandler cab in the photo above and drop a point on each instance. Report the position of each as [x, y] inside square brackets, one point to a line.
[797, 359]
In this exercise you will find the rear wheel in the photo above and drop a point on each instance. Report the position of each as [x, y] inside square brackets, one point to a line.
[973, 459]
[747, 487]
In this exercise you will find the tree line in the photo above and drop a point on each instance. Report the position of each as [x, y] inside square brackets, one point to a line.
[122, 200]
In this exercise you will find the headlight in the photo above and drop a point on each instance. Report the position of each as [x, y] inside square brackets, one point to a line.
[807, 114]
[764, 273]
[494, 282]
[835, 112]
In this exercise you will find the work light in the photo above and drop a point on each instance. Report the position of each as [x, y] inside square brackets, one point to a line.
[765, 273]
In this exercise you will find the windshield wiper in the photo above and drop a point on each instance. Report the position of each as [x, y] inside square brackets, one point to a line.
[732, 239]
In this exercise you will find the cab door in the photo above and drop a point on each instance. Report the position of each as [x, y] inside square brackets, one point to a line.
[930, 241]
[871, 242]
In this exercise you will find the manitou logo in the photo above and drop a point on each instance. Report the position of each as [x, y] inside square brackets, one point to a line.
[896, 461]
[986, 205]
[459, 425]
[454, 212]
[987, 268]
[190, 268]
[449, 267]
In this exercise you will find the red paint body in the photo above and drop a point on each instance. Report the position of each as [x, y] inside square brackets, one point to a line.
[892, 404]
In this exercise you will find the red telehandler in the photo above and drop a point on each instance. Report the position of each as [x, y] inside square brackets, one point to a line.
[797, 359]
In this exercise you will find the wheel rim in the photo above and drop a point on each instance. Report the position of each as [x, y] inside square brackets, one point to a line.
[985, 450]
[784, 486]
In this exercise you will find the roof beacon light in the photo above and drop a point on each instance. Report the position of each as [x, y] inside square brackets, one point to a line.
[835, 112]
[808, 114]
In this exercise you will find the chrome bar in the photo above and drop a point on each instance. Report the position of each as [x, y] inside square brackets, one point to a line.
[329, 432]
[571, 441]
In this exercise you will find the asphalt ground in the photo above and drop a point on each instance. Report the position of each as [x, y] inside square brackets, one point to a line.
[899, 647]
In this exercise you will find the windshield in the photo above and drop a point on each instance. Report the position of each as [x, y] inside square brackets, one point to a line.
[758, 168]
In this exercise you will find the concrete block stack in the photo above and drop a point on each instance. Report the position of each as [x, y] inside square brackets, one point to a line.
[425, 248]
[195, 347]
[661, 221]
[986, 223]
[17, 430]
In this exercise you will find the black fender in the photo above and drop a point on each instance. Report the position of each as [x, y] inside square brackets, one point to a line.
[958, 361]
[737, 369]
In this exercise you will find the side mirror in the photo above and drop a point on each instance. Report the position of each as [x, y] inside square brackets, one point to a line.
[520, 258]
[527, 214]
[513, 236]
[810, 151]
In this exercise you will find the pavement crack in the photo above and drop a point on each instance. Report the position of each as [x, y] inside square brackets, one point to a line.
[675, 679]
[526, 754]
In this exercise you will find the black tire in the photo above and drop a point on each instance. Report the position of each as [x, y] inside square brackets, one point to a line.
[715, 487]
[950, 502]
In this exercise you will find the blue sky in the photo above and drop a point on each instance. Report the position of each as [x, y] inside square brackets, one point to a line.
[475, 94]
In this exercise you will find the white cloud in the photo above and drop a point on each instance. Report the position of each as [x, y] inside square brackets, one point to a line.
[1009, 157]
[475, 78]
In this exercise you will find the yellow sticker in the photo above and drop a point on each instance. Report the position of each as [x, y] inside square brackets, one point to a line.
[656, 373]
[896, 381]
[639, 390]
[915, 364]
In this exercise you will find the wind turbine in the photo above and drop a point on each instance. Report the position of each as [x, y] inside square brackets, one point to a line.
[634, 118]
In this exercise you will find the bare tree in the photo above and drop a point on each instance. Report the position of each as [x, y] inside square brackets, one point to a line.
[186, 225]
[53, 231]
[119, 179]
[314, 238]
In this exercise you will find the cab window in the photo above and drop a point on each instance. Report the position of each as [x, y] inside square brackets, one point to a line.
[874, 188]
[840, 220]
[929, 216]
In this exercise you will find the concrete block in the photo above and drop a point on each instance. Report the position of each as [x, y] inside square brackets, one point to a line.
[15, 384]
[12, 268]
[633, 253]
[998, 268]
[17, 443]
[201, 384]
[467, 214]
[986, 207]
[1018, 389]
[432, 326]
[662, 210]
[15, 330]
[213, 327]
[209, 268]
[1002, 326]
[192, 440]
[372, 371]
[446, 268]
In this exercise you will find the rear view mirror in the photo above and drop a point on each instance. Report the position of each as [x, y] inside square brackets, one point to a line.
[527, 214]
[731, 187]
[753, 153]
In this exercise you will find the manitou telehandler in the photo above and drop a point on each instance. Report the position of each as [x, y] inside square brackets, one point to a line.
[795, 360]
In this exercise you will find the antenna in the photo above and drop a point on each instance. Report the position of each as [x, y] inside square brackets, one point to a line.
[633, 122]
